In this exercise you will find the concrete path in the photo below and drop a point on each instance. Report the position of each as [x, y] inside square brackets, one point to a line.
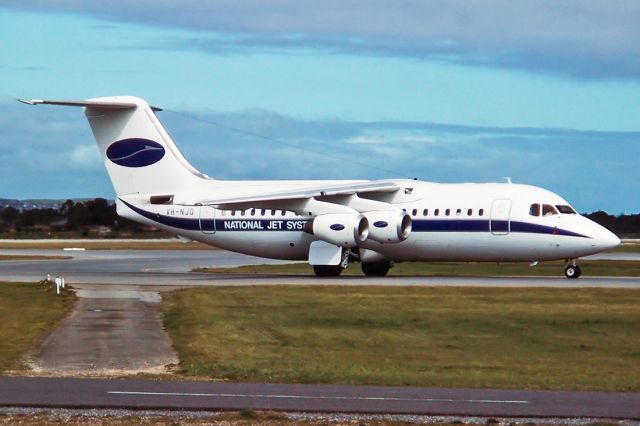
[109, 332]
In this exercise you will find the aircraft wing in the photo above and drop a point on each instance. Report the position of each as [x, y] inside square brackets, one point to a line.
[282, 199]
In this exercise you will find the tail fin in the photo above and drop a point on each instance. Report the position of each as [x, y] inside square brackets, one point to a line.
[138, 153]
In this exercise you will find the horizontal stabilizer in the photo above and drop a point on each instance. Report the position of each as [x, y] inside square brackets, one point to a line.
[86, 103]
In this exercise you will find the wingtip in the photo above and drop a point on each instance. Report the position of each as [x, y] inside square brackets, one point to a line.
[29, 101]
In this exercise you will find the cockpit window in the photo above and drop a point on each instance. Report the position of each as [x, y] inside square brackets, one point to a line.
[566, 209]
[534, 210]
[548, 210]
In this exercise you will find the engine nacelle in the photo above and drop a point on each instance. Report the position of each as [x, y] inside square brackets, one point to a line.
[346, 230]
[389, 227]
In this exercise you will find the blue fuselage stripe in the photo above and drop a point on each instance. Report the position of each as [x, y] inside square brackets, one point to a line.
[418, 225]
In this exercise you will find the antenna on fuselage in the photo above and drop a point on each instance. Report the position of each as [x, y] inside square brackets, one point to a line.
[508, 179]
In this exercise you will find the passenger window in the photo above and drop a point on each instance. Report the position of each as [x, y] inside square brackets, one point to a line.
[253, 212]
[262, 212]
[414, 213]
[273, 212]
[534, 210]
[233, 212]
[241, 212]
[436, 212]
[447, 212]
[548, 210]
[458, 212]
[481, 212]
[425, 212]
[470, 212]
[283, 212]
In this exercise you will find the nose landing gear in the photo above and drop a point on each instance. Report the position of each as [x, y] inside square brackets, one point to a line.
[572, 270]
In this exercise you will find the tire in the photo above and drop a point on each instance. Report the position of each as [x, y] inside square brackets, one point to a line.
[327, 270]
[572, 272]
[376, 269]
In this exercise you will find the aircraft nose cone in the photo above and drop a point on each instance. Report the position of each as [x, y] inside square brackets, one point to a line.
[607, 240]
[612, 241]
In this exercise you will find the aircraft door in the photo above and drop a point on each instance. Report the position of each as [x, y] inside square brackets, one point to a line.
[499, 222]
[207, 220]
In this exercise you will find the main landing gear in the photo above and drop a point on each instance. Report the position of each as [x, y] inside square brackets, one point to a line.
[572, 270]
[371, 269]
[327, 270]
[376, 269]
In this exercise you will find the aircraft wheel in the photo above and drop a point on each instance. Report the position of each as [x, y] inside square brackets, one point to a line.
[376, 269]
[572, 271]
[327, 270]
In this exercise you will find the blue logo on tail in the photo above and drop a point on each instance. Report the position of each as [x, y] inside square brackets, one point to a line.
[135, 152]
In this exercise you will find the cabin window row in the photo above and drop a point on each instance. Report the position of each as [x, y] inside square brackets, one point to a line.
[446, 212]
[254, 212]
[414, 212]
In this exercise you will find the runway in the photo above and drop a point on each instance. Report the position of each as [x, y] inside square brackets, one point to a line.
[141, 394]
[170, 268]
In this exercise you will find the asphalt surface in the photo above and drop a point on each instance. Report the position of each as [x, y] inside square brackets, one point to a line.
[140, 394]
[161, 268]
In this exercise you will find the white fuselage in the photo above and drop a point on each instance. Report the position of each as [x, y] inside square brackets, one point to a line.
[452, 222]
[328, 222]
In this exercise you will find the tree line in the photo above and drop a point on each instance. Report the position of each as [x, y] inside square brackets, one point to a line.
[623, 225]
[99, 216]
[95, 217]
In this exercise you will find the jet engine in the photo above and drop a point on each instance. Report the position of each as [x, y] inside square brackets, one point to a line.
[346, 230]
[389, 227]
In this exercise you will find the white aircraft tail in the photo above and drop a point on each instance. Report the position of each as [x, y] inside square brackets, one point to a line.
[138, 153]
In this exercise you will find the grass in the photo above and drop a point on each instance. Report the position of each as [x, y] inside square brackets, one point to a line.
[30, 257]
[606, 268]
[580, 339]
[27, 312]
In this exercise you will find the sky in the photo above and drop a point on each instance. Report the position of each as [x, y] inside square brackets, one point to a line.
[545, 92]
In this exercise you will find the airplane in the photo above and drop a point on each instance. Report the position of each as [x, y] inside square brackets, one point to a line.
[330, 223]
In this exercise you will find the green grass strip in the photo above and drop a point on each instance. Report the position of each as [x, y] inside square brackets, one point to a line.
[579, 339]
[594, 268]
[27, 312]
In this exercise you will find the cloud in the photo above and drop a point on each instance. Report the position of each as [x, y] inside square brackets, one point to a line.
[21, 68]
[584, 166]
[575, 38]
[85, 156]
[41, 149]
[365, 140]
[48, 152]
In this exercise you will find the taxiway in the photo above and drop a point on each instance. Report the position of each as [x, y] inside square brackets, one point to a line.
[192, 395]
[171, 268]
